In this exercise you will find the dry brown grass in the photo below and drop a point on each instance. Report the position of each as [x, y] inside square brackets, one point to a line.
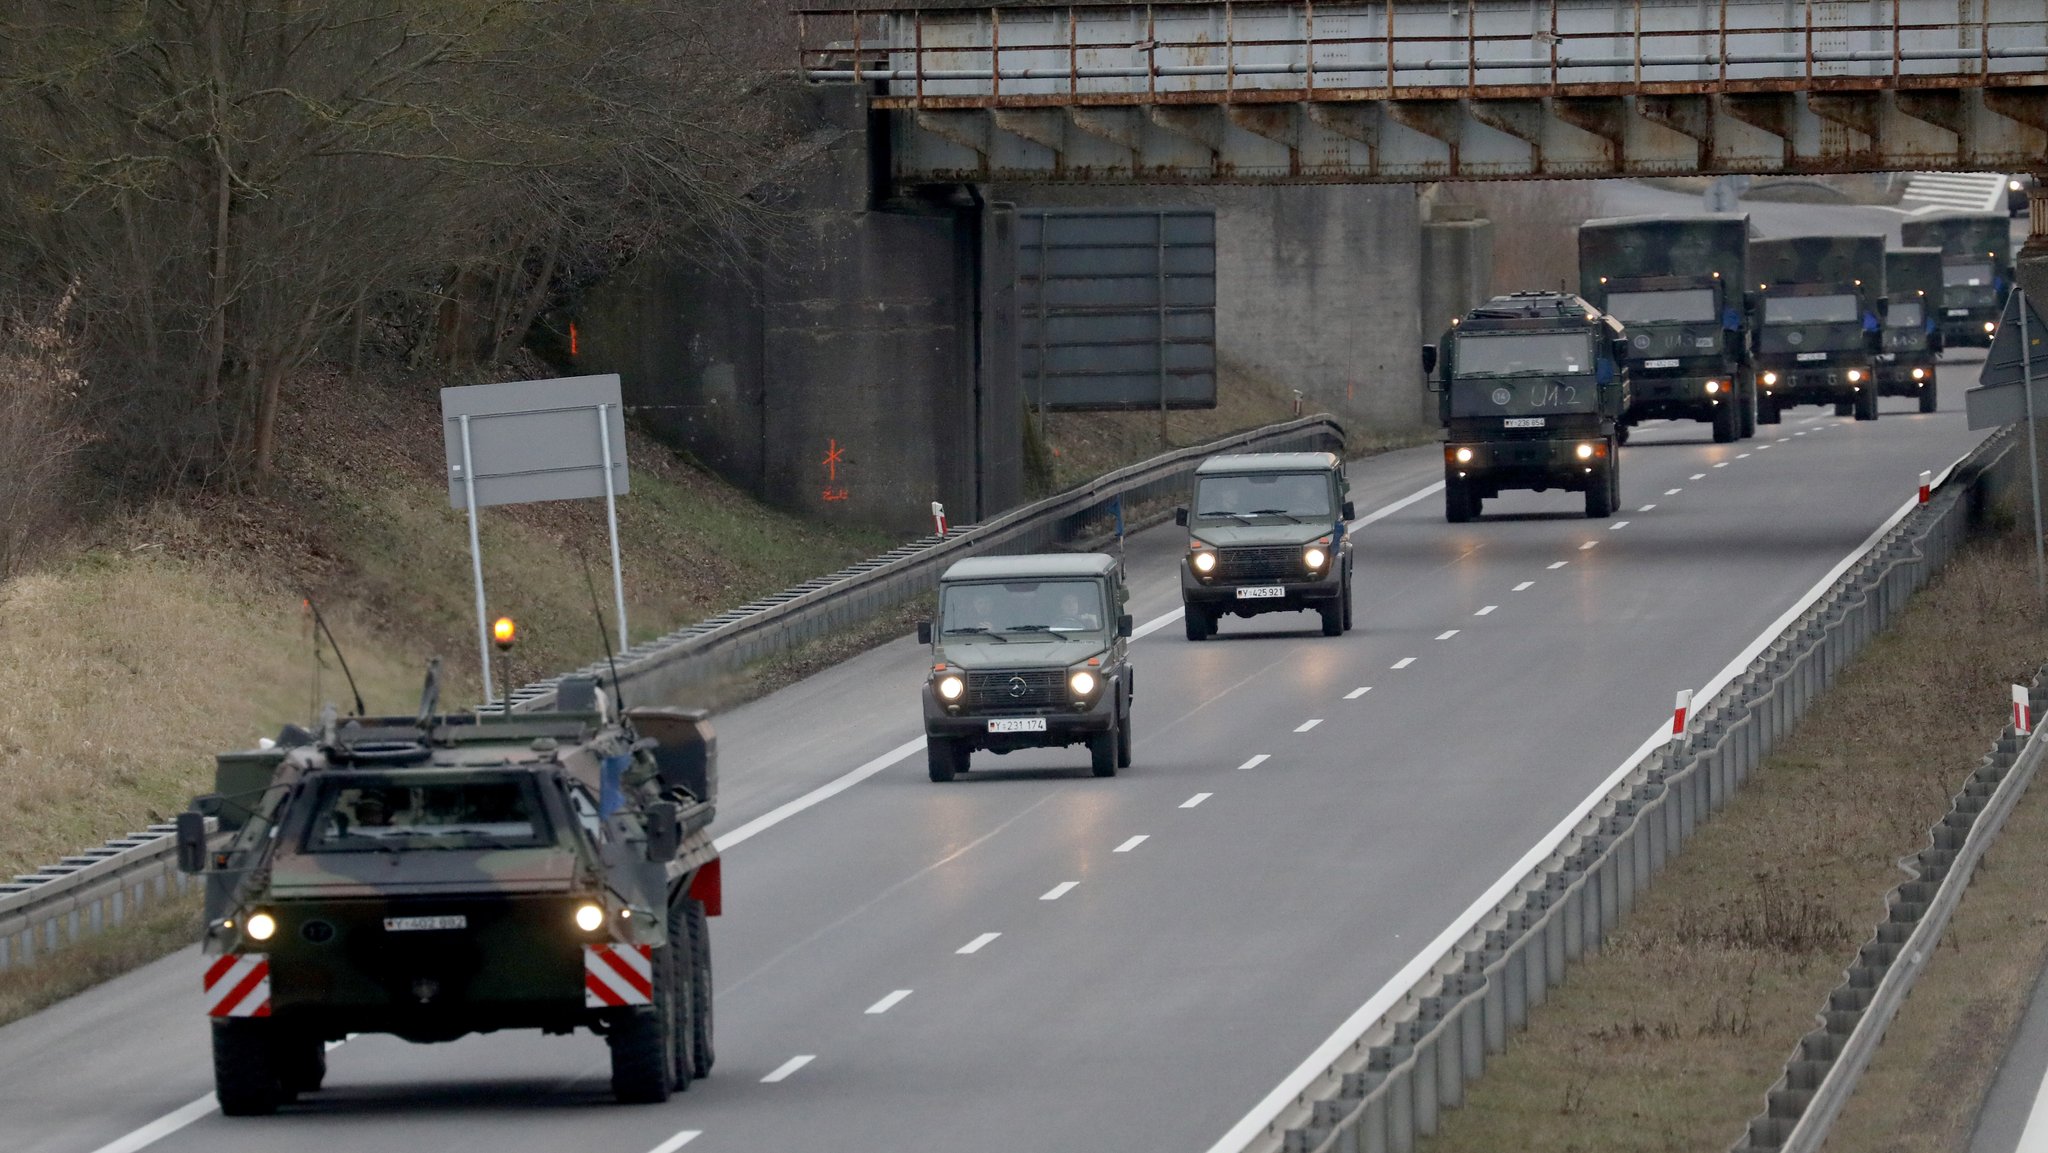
[38, 442]
[1669, 1039]
[161, 929]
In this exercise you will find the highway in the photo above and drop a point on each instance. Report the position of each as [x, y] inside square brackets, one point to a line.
[1305, 814]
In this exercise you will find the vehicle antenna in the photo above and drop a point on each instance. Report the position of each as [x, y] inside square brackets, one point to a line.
[618, 690]
[320, 623]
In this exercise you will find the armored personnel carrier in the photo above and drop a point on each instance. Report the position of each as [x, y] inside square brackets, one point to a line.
[436, 875]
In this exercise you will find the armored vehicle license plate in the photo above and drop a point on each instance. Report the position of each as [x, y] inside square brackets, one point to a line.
[420, 924]
[1017, 725]
[1522, 422]
[1260, 592]
[1662, 362]
[1813, 356]
[1959, 312]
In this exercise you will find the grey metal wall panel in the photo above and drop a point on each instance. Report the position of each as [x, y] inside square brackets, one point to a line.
[1117, 307]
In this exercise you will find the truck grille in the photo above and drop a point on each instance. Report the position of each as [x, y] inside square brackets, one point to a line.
[1281, 562]
[1025, 689]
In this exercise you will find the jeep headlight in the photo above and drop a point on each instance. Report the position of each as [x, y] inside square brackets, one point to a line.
[1082, 682]
[1204, 561]
[589, 917]
[260, 926]
[1770, 378]
[950, 687]
[1713, 386]
[1314, 557]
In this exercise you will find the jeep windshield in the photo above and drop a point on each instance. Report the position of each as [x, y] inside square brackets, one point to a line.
[1015, 611]
[1265, 497]
[362, 813]
[1517, 353]
[1678, 304]
[1810, 309]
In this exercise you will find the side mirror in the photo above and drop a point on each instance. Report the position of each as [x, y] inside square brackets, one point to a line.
[1428, 359]
[191, 842]
[1180, 516]
[924, 632]
[1123, 625]
[664, 832]
[1884, 307]
[1350, 511]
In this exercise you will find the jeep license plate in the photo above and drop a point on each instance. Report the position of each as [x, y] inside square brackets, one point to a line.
[424, 924]
[1813, 356]
[1017, 725]
[1522, 422]
[1260, 592]
[1662, 362]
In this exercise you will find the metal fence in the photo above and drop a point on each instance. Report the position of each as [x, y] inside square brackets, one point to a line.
[81, 896]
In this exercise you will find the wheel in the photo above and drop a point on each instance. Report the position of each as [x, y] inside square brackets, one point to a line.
[1727, 422]
[1333, 617]
[1123, 740]
[1200, 623]
[1347, 602]
[301, 1063]
[1767, 411]
[1102, 752]
[245, 1074]
[645, 1042]
[1845, 408]
[942, 758]
[1459, 503]
[1866, 404]
[696, 937]
[1927, 398]
[1601, 497]
[1745, 403]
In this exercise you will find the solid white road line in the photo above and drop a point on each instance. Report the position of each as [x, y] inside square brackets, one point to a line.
[1059, 890]
[1157, 623]
[1558, 564]
[1255, 762]
[976, 945]
[783, 1071]
[1318, 1063]
[1524, 586]
[887, 1003]
[162, 1127]
[678, 1141]
[2034, 1137]
[1197, 799]
[1307, 725]
[1616, 525]
[1133, 843]
[1404, 662]
[781, 813]
[1487, 611]
[1356, 693]
[1447, 634]
[1385, 511]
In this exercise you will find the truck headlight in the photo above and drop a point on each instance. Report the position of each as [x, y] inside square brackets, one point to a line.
[1464, 456]
[260, 926]
[1770, 378]
[1713, 386]
[1585, 452]
[1919, 374]
[1314, 557]
[1204, 561]
[589, 917]
[1991, 326]
[951, 687]
[1082, 682]
[1855, 374]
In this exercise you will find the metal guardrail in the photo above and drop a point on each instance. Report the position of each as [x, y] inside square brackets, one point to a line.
[1824, 1070]
[83, 895]
[667, 669]
[1388, 1086]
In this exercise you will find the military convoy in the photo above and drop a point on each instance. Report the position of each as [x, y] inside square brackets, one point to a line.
[1976, 270]
[435, 875]
[1266, 533]
[1912, 332]
[1820, 300]
[1531, 388]
[1677, 283]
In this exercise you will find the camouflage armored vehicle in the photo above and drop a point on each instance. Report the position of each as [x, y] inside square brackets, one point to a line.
[1677, 283]
[1266, 534]
[1820, 299]
[1976, 270]
[1530, 387]
[432, 876]
[1912, 333]
[1029, 652]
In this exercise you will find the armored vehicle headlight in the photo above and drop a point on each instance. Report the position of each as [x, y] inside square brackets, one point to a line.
[1713, 386]
[1770, 378]
[1855, 374]
[1314, 557]
[1585, 452]
[1464, 456]
[1204, 561]
[1082, 682]
[260, 926]
[589, 917]
[951, 687]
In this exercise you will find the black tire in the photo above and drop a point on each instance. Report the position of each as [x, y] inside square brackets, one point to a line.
[696, 938]
[1102, 753]
[1333, 617]
[1347, 602]
[1123, 739]
[1600, 497]
[1745, 404]
[941, 762]
[1767, 410]
[1846, 407]
[301, 1063]
[645, 1043]
[1866, 404]
[1928, 399]
[1727, 422]
[1459, 503]
[245, 1073]
[1200, 622]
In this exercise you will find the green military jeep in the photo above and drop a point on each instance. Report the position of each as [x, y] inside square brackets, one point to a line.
[1029, 652]
[1267, 534]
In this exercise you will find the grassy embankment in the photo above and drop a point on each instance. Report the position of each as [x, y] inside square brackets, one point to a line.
[1670, 1037]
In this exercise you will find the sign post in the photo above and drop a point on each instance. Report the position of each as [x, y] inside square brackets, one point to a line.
[611, 518]
[2005, 395]
[2033, 448]
[476, 562]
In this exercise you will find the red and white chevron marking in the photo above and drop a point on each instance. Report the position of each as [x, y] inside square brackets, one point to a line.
[616, 975]
[238, 985]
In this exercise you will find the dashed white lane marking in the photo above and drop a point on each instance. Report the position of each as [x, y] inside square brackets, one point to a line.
[977, 944]
[1697, 476]
[1762, 447]
[1256, 761]
[1616, 525]
[1802, 432]
[783, 1070]
[1404, 662]
[1524, 586]
[1487, 611]
[887, 1003]
[1673, 491]
[1197, 799]
[1782, 440]
[1646, 508]
[678, 1141]
[1059, 890]
[1559, 564]
[1742, 456]
[1720, 464]
[1592, 543]
[1356, 693]
[1447, 634]
[1133, 843]
[1307, 725]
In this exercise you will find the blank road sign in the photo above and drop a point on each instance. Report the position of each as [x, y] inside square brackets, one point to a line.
[534, 440]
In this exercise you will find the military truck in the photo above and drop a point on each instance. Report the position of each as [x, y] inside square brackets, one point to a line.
[1029, 652]
[435, 875]
[1912, 332]
[1676, 283]
[1976, 270]
[1530, 389]
[1266, 534]
[1820, 300]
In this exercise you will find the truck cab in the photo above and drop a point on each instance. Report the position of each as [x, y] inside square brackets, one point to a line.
[1029, 652]
[1912, 331]
[1530, 389]
[1976, 271]
[1820, 306]
[1267, 532]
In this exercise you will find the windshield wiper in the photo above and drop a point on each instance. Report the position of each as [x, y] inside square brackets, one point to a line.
[976, 630]
[1277, 512]
[1221, 512]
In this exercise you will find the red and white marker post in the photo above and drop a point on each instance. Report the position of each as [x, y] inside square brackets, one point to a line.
[1926, 487]
[1680, 711]
[939, 517]
[2022, 711]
